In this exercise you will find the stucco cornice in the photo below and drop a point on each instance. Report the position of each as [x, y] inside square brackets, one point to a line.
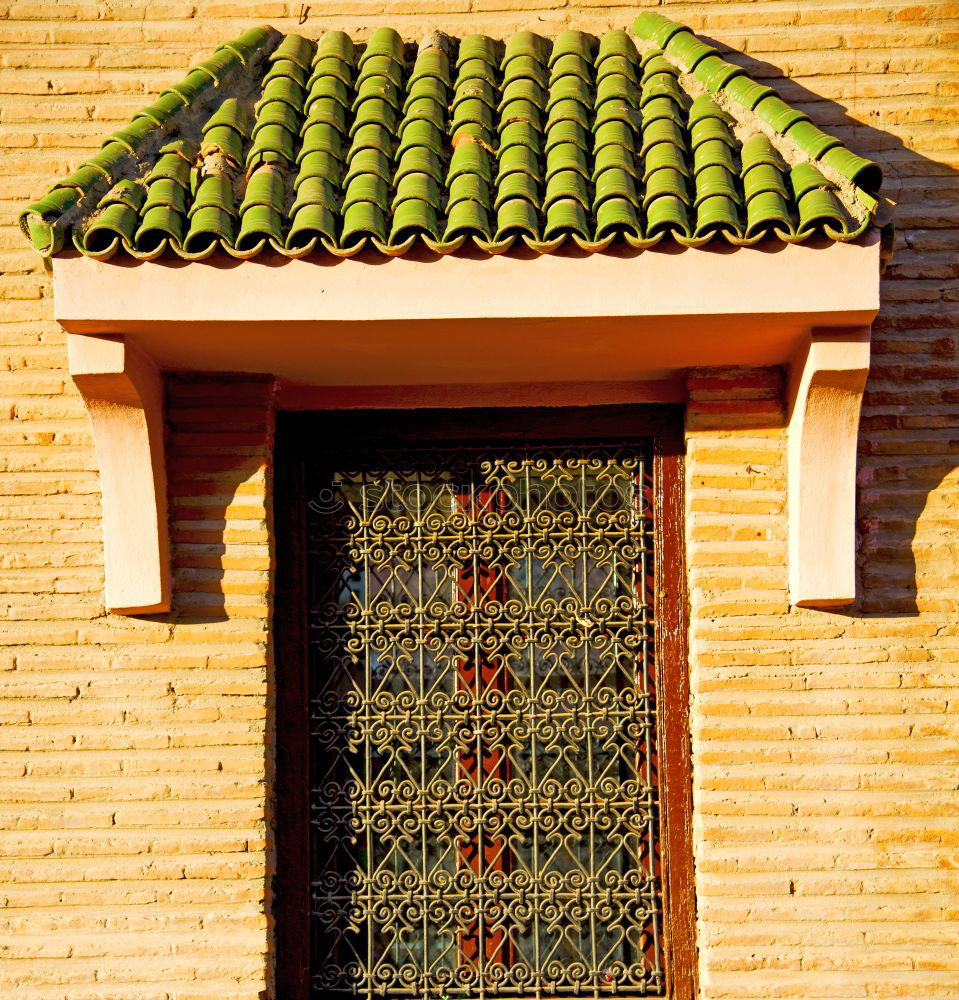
[404, 328]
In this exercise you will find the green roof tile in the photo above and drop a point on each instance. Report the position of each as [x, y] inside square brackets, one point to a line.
[330, 145]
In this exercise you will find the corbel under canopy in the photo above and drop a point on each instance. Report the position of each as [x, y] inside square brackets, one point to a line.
[467, 223]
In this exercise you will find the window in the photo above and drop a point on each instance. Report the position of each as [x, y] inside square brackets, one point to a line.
[483, 734]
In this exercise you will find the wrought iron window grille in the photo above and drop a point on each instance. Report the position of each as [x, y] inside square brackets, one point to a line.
[483, 748]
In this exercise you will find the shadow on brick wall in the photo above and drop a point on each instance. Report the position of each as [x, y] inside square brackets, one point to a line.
[218, 459]
[909, 432]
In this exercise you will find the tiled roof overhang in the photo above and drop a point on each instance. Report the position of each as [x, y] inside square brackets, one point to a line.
[598, 215]
[300, 147]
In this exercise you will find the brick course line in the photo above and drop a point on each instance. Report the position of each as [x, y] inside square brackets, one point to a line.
[132, 805]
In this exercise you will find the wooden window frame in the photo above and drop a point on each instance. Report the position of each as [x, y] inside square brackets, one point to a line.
[295, 433]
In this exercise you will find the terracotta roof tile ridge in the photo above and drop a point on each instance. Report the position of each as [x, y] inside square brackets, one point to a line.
[827, 180]
[122, 155]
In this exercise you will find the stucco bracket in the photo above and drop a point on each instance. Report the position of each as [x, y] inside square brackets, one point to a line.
[123, 391]
[826, 382]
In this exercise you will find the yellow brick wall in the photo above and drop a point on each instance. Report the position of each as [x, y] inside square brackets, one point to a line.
[133, 849]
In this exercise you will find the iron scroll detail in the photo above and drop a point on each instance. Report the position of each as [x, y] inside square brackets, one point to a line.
[484, 792]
